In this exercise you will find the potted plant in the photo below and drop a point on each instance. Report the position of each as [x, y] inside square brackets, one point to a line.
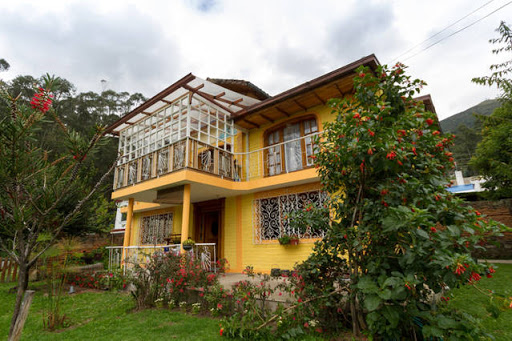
[294, 239]
[188, 244]
[284, 240]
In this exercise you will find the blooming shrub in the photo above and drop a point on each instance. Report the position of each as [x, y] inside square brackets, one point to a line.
[384, 162]
[169, 277]
[112, 280]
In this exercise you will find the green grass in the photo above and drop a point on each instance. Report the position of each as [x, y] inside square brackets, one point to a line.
[107, 316]
[470, 300]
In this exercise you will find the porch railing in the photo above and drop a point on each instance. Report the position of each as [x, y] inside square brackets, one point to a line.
[190, 153]
[205, 252]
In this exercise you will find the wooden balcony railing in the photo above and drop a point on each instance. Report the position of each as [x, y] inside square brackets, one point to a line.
[190, 153]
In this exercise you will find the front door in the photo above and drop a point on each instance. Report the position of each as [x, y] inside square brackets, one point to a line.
[208, 223]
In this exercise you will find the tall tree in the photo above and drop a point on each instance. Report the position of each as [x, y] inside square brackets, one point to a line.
[493, 157]
[34, 184]
[384, 162]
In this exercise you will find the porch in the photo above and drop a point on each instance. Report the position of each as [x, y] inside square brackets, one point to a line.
[129, 255]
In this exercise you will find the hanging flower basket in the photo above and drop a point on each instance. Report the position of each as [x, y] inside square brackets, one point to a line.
[188, 244]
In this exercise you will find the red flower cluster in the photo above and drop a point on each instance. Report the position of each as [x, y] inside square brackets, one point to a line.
[460, 269]
[474, 277]
[41, 101]
[433, 229]
[429, 121]
[391, 156]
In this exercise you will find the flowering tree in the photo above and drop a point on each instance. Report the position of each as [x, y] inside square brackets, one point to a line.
[34, 183]
[406, 239]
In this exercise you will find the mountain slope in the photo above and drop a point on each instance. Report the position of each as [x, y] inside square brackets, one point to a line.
[466, 117]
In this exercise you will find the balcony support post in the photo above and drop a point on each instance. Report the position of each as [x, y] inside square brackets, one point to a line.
[128, 228]
[185, 215]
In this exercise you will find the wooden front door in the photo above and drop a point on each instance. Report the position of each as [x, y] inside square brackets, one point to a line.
[208, 223]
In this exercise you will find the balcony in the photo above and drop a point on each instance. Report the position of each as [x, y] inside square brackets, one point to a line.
[190, 153]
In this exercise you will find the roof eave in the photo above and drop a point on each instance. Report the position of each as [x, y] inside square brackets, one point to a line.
[370, 61]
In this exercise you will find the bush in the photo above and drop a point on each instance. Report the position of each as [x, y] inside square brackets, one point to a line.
[171, 278]
[111, 280]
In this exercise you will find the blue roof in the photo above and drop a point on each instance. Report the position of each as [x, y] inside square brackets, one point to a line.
[460, 188]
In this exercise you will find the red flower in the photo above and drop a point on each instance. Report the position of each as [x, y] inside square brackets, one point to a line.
[399, 162]
[362, 75]
[429, 121]
[433, 229]
[357, 116]
[384, 192]
[414, 150]
[221, 331]
[371, 132]
[436, 132]
[446, 299]
[219, 306]
[391, 156]
[474, 277]
[460, 269]
[41, 101]
[370, 151]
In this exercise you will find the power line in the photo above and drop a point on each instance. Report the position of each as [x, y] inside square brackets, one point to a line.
[444, 29]
[460, 30]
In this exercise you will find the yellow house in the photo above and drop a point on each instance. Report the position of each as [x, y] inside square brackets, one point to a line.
[222, 162]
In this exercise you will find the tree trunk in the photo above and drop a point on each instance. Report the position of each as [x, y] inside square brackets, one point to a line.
[22, 316]
[22, 287]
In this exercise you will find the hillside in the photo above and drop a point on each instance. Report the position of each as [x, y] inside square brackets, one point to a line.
[450, 124]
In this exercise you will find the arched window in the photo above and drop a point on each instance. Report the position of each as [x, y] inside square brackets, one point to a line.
[290, 146]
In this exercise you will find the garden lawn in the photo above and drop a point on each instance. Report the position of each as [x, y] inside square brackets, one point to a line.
[107, 316]
[470, 300]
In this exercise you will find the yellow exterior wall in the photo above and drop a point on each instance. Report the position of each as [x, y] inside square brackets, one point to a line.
[263, 257]
[240, 249]
[229, 233]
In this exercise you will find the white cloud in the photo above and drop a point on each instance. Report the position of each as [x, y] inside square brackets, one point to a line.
[146, 46]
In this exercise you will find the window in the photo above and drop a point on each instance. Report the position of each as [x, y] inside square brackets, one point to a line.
[270, 220]
[290, 147]
[154, 228]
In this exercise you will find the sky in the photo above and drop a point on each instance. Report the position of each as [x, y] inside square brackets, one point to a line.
[145, 46]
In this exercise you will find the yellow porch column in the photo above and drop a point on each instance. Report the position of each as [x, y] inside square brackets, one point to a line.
[128, 228]
[186, 214]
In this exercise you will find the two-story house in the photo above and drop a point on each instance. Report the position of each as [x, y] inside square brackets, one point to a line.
[222, 162]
